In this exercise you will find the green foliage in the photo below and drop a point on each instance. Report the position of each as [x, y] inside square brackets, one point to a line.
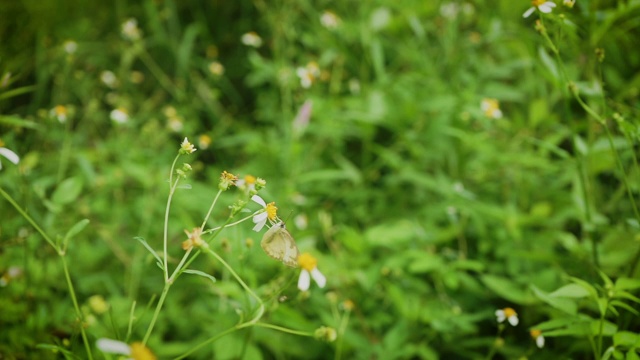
[441, 160]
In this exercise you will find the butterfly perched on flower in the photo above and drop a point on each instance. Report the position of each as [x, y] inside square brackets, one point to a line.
[279, 244]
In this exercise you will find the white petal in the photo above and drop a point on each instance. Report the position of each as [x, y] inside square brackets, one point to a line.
[540, 341]
[113, 346]
[10, 155]
[528, 12]
[262, 217]
[259, 200]
[304, 280]
[513, 320]
[260, 225]
[318, 277]
[500, 315]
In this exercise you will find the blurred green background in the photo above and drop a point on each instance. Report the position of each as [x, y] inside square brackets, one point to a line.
[426, 209]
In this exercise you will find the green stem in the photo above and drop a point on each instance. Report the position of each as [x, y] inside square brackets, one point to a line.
[60, 253]
[166, 225]
[238, 279]
[284, 329]
[29, 219]
[210, 209]
[75, 305]
[341, 330]
[165, 291]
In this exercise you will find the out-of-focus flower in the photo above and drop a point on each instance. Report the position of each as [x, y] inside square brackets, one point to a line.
[537, 337]
[204, 141]
[70, 46]
[569, 3]
[136, 351]
[542, 6]
[308, 74]
[130, 30]
[98, 305]
[119, 115]
[59, 112]
[216, 68]
[8, 154]
[491, 108]
[507, 314]
[329, 20]
[11, 273]
[326, 333]
[251, 39]
[109, 78]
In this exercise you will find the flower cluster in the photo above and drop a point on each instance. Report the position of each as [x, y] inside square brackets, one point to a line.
[510, 315]
[308, 74]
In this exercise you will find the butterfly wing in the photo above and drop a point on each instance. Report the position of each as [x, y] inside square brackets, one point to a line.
[279, 244]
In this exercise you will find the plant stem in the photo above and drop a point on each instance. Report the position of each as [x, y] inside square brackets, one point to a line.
[75, 305]
[60, 253]
[166, 226]
[165, 291]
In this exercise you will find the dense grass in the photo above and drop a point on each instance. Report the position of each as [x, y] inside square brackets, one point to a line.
[444, 160]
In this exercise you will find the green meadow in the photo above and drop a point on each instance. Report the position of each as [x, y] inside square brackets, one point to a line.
[302, 179]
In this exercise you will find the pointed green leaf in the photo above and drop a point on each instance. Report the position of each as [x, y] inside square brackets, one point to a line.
[200, 273]
[75, 229]
[146, 245]
[567, 305]
[627, 284]
[571, 291]
[507, 289]
[67, 191]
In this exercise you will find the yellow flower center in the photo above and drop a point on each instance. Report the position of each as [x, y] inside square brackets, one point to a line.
[537, 3]
[509, 312]
[204, 140]
[535, 333]
[490, 106]
[249, 179]
[141, 352]
[60, 110]
[307, 261]
[272, 211]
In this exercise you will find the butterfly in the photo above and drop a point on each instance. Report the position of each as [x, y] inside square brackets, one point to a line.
[279, 244]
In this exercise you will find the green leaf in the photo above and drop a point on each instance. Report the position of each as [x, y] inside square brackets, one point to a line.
[424, 263]
[146, 245]
[627, 284]
[75, 229]
[200, 273]
[571, 291]
[566, 305]
[627, 339]
[507, 289]
[548, 62]
[632, 355]
[586, 286]
[67, 191]
[616, 303]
